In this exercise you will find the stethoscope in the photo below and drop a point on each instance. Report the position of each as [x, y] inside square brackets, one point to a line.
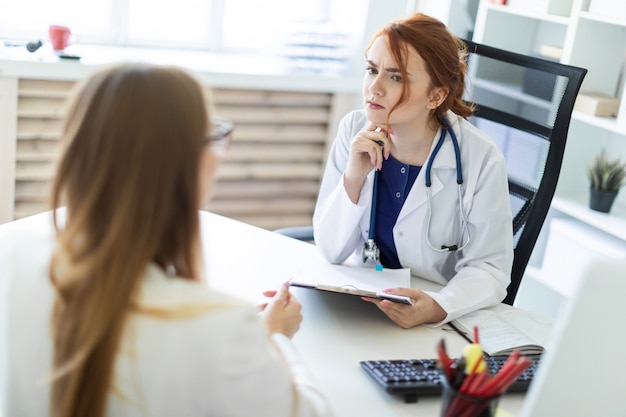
[371, 250]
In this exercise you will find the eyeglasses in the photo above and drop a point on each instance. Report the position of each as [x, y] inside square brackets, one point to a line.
[221, 132]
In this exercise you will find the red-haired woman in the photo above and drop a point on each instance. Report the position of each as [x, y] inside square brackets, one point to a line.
[410, 183]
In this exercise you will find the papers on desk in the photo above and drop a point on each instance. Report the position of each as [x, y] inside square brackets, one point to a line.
[503, 332]
[359, 281]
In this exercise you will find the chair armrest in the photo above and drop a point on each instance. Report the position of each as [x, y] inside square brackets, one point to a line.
[304, 233]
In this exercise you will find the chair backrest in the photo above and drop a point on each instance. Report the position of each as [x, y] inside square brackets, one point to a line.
[525, 104]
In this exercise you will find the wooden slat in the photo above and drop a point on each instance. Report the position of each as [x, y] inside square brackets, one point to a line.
[41, 198]
[28, 208]
[269, 171]
[263, 205]
[41, 105]
[34, 136]
[29, 129]
[253, 189]
[271, 222]
[32, 190]
[36, 156]
[44, 94]
[273, 115]
[44, 88]
[33, 149]
[34, 171]
[274, 152]
[280, 133]
[270, 98]
[32, 129]
[40, 114]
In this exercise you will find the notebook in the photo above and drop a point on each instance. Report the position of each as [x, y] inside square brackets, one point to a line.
[583, 372]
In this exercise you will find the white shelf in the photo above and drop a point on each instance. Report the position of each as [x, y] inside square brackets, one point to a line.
[536, 273]
[607, 123]
[603, 19]
[545, 17]
[613, 223]
[511, 91]
[592, 41]
[217, 69]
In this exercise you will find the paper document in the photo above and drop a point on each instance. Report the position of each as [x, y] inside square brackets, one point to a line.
[502, 332]
[360, 281]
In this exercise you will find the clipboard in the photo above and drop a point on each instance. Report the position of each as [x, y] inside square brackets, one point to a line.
[358, 281]
[355, 291]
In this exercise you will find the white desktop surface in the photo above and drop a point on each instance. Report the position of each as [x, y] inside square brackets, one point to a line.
[338, 330]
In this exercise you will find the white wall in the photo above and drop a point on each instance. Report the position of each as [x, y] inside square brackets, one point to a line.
[458, 15]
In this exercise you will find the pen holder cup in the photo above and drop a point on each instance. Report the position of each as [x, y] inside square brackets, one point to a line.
[456, 404]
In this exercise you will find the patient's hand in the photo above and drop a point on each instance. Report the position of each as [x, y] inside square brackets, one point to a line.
[283, 313]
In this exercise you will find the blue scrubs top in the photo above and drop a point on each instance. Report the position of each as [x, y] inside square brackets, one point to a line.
[394, 183]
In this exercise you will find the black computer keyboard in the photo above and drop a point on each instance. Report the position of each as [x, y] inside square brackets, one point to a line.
[414, 378]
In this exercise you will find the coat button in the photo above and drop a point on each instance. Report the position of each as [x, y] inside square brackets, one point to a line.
[398, 195]
[403, 170]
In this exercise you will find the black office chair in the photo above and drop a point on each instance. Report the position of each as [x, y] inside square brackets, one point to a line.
[525, 103]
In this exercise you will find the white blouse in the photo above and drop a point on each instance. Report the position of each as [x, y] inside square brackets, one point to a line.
[219, 362]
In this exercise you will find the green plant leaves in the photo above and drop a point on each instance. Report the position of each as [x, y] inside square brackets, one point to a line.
[607, 174]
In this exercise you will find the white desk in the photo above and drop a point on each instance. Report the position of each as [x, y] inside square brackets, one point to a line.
[338, 331]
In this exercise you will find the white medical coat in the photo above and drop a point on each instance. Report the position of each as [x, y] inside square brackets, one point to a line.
[474, 277]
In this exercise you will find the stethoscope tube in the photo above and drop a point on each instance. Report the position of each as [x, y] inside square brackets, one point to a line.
[459, 181]
[370, 249]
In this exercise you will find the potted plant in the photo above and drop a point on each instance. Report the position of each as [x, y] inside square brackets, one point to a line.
[607, 176]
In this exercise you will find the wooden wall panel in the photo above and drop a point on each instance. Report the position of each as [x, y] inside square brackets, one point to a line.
[276, 158]
[8, 129]
[39, 112]
[269, 177]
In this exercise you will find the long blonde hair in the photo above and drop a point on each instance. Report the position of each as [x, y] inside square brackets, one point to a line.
[133, 139]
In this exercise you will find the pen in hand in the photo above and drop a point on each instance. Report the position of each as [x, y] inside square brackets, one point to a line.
[283, 313]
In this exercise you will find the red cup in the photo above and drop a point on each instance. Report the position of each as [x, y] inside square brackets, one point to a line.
[59, 37]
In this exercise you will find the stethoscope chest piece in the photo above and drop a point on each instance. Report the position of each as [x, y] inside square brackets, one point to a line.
[370, 251]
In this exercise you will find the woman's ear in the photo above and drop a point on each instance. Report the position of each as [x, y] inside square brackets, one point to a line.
[437, 96]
